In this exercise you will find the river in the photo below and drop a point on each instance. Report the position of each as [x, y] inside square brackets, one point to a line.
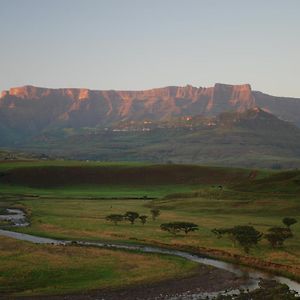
[253, 276]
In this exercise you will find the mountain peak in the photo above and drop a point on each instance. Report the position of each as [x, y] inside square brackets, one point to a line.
[24, 92]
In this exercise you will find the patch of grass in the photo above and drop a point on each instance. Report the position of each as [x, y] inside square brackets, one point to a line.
[111, 180]
[100, 191]
[209, 197]
[29, 269]
[78, 219]
[283, 182]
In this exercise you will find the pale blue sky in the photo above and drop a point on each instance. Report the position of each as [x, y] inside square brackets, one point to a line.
[139, 44]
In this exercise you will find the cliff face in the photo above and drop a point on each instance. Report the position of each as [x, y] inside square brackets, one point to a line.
[31, 109]
[83, 107]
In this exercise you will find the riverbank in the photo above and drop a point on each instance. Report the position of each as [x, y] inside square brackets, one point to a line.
[248, 261]
[204, 281]
[30, 269]
[248, 278]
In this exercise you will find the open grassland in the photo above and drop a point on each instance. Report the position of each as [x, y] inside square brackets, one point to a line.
[85, 220]
[209, 197]
[29, 269]
[71, 179]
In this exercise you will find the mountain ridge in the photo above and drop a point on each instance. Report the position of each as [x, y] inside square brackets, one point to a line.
[224, 124]
[77, 107]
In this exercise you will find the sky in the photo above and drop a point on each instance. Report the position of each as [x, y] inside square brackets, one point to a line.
[142, 44]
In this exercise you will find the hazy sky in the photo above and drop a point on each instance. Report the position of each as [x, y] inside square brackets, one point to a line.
[139, 44]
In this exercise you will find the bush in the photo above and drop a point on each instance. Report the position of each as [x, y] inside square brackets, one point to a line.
[176, 227]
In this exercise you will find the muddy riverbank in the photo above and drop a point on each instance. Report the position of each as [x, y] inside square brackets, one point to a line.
[205, 281]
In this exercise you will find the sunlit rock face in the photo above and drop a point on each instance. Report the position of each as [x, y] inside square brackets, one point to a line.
[34, 109]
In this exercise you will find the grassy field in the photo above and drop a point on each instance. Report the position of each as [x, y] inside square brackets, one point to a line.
[78, 219]
[29, 269]
[184, 193]
[73, 179]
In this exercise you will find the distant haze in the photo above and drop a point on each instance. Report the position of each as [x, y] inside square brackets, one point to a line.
[141, 44]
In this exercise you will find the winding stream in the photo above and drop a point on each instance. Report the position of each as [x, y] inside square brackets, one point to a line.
[253, 276]
[16, 217]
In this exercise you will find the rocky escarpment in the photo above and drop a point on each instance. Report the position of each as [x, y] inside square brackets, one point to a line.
[29, 110]
[36, 108]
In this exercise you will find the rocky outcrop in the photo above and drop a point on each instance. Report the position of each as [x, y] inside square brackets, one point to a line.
[31, 109]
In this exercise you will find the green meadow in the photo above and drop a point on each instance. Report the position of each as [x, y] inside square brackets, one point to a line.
[61, 203]
[27, 269]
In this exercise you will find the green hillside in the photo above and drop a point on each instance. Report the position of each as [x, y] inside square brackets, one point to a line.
[254, 139]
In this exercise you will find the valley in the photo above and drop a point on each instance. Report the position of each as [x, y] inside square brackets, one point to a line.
[149, 150]
[210, 197]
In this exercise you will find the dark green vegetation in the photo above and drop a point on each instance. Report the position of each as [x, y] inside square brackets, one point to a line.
[115, 218]
[283, 182]
[276, 236]
[29, 269]
[71, 200]
[268, 290]
[246, 236]
[289, 221]
[155, 212]
[130, 216]
[251, 139]
[110, 180]
[176, 227]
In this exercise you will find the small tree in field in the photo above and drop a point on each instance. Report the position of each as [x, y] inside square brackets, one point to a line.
[143, 219]
[276, 236]
[131, 216]
[245, 236]
[155, 212]
[170, 227]
[176, 227]
[288, 222]
[187, 227]
[115, 218]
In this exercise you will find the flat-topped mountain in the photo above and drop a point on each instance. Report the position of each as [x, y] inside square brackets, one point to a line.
[34, 109]
[38, 108]
[224, 123]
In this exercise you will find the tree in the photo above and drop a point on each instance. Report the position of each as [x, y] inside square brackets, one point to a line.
[155, 212]
[115, 218]
[176, 227]
[131, 216]
[245, 236]
[187, 227]
[289, 221]
[170, 227]
[143, 219]
[276, 236]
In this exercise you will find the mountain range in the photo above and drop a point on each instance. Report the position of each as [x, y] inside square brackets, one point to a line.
[152, 124]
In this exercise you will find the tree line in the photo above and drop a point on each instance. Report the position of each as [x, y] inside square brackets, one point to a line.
[248, 237]
[132, 216]
[173, 227]
[243, 235]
